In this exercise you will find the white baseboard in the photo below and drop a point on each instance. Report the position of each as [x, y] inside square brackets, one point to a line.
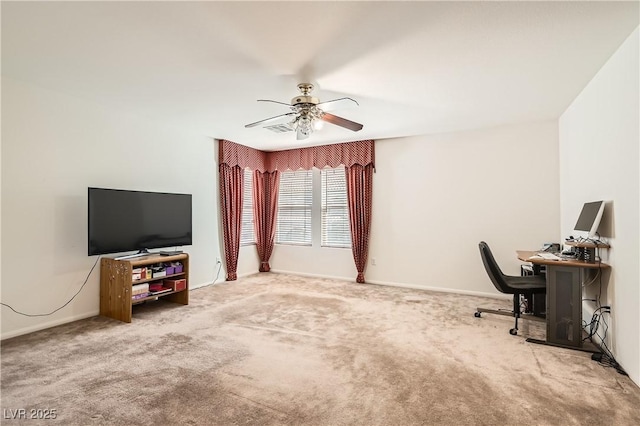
[403, 285]
[442, 289]
[246, 274]
[220, 281]
[305, 274]
[31, 329]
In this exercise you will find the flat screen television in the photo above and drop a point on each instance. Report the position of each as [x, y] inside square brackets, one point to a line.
[590, 217]
[122, 221]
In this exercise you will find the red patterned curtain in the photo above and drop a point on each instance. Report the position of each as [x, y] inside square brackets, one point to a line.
[359, 192]
[231, 188]
[265, 209]
[233, 158]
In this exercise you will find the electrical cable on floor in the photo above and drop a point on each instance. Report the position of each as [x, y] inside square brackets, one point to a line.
[56, 310]
[606, 358]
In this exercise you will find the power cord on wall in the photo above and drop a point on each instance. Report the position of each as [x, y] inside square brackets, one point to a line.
[219, 263]
[56, 310]
[218, 273]
[594, 324]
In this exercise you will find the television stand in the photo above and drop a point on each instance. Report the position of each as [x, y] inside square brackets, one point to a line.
[116, 283]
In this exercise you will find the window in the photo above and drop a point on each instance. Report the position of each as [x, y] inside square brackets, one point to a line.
[294, 208]
[247, 232]
[313, 202]
[335, 231]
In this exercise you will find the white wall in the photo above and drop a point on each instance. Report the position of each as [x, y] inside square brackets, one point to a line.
[600, 160]
[53, 148]
[436, 197]
[248, 262]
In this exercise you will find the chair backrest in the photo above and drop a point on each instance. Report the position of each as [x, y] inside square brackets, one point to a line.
[493, 270]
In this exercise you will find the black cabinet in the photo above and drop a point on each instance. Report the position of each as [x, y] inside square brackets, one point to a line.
[564, 296]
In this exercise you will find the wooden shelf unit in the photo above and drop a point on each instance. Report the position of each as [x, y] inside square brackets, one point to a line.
[116, 284]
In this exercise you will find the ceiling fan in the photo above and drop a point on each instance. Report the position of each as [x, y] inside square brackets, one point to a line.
[307, 113]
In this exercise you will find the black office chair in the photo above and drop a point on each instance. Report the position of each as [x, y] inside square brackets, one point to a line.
[525, 286]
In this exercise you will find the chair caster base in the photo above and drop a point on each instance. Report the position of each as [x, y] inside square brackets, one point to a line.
[476, 314]
[513, 331]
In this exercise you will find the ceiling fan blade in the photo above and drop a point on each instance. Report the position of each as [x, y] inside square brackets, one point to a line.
[342, 122]
[275, 102]
[337, 103]
[270, 120]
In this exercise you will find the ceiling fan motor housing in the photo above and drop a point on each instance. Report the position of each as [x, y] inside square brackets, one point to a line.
[302, 99]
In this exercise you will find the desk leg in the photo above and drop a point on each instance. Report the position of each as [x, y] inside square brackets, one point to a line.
[587, 347]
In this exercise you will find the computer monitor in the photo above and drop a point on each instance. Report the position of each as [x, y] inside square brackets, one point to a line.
[590, 217]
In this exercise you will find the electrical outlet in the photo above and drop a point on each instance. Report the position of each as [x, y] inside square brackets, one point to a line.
[373, 261]
[218, 260]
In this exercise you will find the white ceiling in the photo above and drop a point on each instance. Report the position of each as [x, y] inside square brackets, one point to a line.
[414, 67]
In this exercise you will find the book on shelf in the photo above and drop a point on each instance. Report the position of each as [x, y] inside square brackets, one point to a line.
[140, 289]
[163, 290]
[140, 295]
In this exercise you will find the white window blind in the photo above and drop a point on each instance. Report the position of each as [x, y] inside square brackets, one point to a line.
[247, 232]
[294, 208]
[335, 228]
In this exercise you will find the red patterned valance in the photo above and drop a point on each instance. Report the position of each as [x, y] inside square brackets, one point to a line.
[348, 153]
[235, 154]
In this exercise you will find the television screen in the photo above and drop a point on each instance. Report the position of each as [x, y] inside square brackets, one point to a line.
[122, 220]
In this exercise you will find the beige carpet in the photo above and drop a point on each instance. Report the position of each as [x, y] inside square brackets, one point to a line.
[280, 349]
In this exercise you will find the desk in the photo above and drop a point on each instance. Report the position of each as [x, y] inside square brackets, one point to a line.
[564, 297]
